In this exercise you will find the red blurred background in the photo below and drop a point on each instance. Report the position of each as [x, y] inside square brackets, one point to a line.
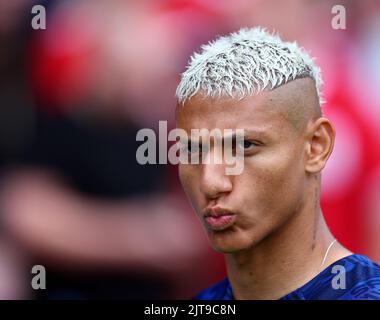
[73, 97]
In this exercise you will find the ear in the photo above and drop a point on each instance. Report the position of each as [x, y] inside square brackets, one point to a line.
[320, 143]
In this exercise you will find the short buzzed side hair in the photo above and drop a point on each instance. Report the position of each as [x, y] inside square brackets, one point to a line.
[246, 63]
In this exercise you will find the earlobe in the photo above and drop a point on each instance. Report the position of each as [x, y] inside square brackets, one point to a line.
[320, 144]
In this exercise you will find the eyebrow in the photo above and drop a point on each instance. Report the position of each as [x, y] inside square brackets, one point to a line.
[247, 133]
[258, 132]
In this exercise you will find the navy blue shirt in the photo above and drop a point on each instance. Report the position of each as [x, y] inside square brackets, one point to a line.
[361, 275]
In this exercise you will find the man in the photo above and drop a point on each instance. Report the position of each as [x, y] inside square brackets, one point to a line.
[267, 221]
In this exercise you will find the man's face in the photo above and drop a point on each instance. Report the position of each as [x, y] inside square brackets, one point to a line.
[238, 211]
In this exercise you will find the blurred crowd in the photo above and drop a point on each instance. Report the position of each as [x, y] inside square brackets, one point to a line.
[73, 96]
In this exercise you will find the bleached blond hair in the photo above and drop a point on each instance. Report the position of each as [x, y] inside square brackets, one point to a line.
[246, 63]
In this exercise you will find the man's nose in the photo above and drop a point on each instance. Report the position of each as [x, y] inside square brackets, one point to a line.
[214, 181]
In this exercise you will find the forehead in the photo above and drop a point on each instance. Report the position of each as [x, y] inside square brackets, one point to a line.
[260, 113]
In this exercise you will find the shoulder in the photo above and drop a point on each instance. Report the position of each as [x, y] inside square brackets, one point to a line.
[363, 279]
[218, 291]
[354, 277]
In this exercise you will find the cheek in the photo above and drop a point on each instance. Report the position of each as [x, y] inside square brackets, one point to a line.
[184, 177]
[272, 183]
[189, 182]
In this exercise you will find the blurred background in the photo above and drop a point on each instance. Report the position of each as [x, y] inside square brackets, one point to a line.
[72, 98]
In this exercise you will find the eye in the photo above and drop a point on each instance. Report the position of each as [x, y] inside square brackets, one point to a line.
[247, 145]
[193, 148]
[190, 148]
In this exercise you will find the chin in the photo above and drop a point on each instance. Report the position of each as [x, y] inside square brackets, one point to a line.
[228, 242]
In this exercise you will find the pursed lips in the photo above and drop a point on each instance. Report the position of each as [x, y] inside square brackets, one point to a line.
[217, 218]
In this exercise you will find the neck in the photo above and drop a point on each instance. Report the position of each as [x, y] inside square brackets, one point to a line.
[285, 260]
